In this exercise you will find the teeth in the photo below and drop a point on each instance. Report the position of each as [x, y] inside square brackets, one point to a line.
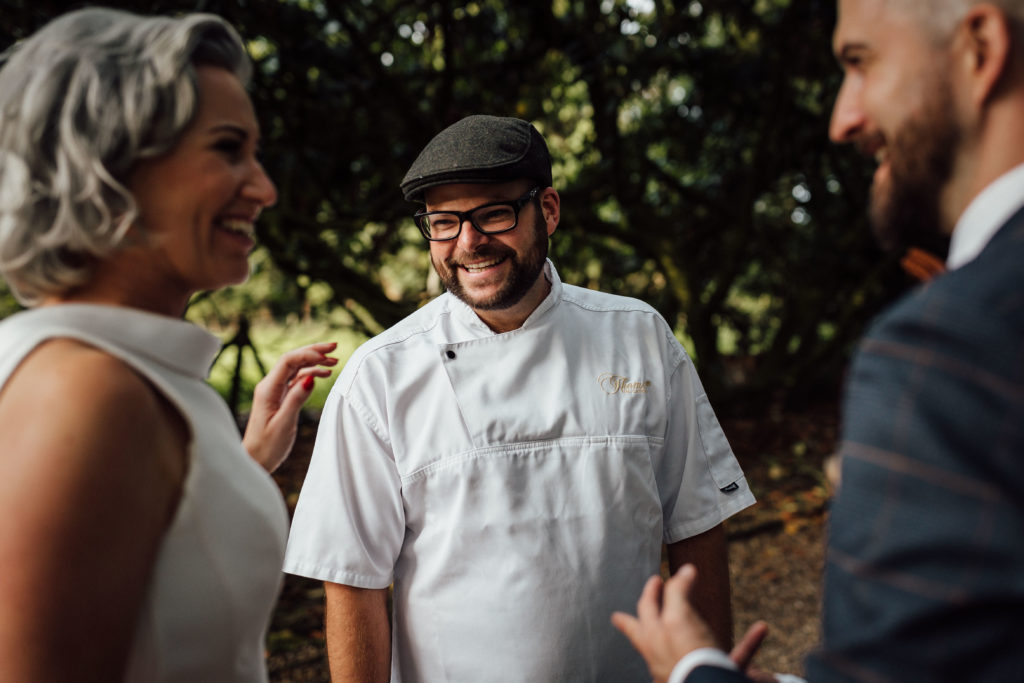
[238, 225]
[477, 267]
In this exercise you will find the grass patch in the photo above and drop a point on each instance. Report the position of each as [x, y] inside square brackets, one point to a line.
[271, 340]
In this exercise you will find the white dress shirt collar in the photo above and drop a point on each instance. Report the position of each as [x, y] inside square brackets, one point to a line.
[984, 216]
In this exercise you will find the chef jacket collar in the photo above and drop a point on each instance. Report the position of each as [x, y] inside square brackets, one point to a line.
[469, 317]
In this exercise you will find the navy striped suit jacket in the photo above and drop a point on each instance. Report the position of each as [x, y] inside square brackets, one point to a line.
[924, 575]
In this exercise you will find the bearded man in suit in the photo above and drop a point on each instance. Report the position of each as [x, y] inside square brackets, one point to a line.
[925, 565]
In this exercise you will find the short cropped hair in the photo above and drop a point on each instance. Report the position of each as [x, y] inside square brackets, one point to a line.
[82, 101]
[941, 17]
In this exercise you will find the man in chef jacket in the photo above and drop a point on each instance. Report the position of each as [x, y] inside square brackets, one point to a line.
[512, 456]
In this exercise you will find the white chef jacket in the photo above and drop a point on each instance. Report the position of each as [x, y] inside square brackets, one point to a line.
[515, 487]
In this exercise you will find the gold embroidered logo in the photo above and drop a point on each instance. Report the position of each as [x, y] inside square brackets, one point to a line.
[617, 384]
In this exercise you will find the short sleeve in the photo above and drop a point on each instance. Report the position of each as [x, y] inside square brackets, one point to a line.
[349, 522]
[700, 482]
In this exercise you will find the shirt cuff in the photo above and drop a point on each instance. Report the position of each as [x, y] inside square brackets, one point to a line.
[705, 656]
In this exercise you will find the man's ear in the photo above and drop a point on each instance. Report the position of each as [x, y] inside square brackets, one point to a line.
[984, 41]
[550, 206]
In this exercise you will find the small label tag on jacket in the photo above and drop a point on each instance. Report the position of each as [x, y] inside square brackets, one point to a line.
[730, 488]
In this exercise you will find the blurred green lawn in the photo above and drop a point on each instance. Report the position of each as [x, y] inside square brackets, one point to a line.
[271, 340]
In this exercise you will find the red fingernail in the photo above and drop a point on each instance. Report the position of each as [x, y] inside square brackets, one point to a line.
[307, 383]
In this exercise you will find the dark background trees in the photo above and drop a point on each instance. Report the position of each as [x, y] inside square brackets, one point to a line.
[690, 147]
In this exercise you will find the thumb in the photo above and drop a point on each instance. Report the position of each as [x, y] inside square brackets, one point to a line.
[743, 653]
[295, 397]
[627, 624]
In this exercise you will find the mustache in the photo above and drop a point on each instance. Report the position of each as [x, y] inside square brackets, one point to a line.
[459, 258]
[869, 143]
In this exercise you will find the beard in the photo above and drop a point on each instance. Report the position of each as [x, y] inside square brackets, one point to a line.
[906, 211]
[525, 270]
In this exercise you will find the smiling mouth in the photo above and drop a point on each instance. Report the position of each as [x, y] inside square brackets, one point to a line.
[238, 226]
[882, 168]
[874, 147]
[480, 266]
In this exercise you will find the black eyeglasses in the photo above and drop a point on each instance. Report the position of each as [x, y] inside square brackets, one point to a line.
[489, 219]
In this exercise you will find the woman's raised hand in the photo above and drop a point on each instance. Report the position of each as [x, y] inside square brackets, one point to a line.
[277, 399]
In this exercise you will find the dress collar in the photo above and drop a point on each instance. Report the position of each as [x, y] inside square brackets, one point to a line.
[172, 342]
[984, 216]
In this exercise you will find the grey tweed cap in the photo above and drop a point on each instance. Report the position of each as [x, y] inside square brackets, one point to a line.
[480, 149]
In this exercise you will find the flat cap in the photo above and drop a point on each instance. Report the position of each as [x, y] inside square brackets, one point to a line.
[479, 149]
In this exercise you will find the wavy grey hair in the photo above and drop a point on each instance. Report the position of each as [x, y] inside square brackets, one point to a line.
[81, 101]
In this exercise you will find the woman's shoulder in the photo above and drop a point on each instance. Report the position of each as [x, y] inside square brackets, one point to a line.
[93, 474]
[71, 394]
[70, 371]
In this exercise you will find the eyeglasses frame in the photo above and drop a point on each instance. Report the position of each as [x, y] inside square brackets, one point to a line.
[463, 216]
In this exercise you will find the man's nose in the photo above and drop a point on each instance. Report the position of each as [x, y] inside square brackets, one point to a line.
[469, 236]
[847, 114]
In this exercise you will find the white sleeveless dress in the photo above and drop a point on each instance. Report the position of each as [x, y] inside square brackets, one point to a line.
[218, 570]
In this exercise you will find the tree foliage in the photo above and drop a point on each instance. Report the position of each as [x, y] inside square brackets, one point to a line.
[690, 147]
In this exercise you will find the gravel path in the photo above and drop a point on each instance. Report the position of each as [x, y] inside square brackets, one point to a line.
[776, 576]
